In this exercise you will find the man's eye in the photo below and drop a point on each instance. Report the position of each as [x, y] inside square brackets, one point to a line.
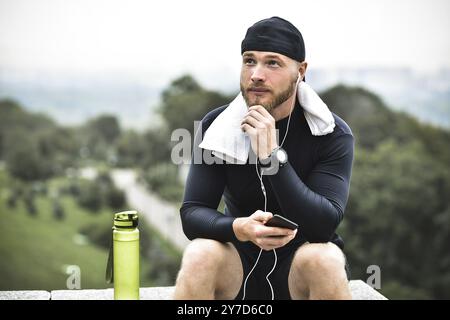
[249, 61]
[273, 63]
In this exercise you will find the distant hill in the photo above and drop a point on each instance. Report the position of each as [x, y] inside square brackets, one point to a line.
[372, 121]
[425, 96]
[132, 98]
[71, 101]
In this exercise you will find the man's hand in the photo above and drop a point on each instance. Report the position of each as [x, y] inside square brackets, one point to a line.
[253, 229]
[259, 124]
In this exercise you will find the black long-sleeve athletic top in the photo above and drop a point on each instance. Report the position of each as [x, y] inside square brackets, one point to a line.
[311, 189]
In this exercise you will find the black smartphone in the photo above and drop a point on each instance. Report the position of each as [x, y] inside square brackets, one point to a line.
[281, 222]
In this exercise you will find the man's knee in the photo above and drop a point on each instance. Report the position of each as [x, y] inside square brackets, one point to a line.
[202, 256]
[319, 258]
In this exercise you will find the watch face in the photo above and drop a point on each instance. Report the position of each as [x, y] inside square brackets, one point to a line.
[281, 156]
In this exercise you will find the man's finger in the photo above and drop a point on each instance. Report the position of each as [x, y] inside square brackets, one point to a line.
[248, 128]
[262, 216]
[255, 123]
[257, 115]
[275, 231]
[261, 110]
[273, 242]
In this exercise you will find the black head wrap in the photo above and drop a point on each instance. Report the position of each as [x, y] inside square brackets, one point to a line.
[275, 35]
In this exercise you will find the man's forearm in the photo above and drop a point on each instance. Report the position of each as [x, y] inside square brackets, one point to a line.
[316, 216]
[203, 222]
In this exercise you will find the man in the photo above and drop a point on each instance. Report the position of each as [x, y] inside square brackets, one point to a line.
[310, 188]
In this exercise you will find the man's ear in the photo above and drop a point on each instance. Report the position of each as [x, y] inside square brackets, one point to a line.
[302, 69]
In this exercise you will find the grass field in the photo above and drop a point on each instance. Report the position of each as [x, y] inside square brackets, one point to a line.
[36, 250]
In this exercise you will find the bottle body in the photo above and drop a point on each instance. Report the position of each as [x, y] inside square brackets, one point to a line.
[126, 263]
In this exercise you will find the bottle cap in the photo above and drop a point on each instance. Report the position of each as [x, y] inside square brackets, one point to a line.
[126, 219]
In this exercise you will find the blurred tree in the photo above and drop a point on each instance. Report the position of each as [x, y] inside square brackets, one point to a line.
[185, 101]
[372, 121]
[163, 179]
[32, 145]
[158, 147]
[11, 115]
[23, 158]
[365, 113]
[116, 199]
[106, 127]
[398, 214]
[131, 149]
[58, 210]
[98, 137]
[90, 196]
[30, 204]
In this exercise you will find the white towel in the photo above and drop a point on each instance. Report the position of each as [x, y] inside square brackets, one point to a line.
[227, 141]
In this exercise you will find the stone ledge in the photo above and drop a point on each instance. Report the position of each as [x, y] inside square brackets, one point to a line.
[360, 291]
[25, 295]
[155, 293]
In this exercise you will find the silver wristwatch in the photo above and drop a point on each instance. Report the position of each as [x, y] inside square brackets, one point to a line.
[277, 157]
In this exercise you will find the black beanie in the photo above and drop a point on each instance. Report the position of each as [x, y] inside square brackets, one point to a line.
[275, 35]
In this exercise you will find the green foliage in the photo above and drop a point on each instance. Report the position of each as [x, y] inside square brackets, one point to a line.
[90, 196]
[23, 157]
[30, 204]
[143, 150]
[398, 213]
[368, 117]
[399, 291]
[158, 147]
[185, 101]
[99, 234]
[115, 199]
[163, 179]
[58, 211]
[104, 127]
[11, 200]
[33, 146]
[98, 193]
[372, 122]
[392, 216]
[131, 149]
[10, 113]
[35, 250]
[164, 268]
[98, 139]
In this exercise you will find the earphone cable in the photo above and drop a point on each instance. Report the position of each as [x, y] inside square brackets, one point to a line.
[265, 209]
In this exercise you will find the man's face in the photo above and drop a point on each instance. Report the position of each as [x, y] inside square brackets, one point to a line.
[268, 78]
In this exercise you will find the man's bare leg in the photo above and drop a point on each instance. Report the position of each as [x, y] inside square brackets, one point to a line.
[209, 270]
[318, 272]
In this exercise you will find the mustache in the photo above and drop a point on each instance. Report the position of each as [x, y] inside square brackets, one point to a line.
[257, 87]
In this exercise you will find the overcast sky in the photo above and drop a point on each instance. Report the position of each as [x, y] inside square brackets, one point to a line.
[203, 37]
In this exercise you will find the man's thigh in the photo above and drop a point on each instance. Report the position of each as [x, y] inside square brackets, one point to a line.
[305, 258]
[230, 275]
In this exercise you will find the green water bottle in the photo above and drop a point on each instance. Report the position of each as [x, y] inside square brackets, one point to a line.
[124, 261]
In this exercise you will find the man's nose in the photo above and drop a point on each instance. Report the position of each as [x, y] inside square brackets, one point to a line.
[258, 74]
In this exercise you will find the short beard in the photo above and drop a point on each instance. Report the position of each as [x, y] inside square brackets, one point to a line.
[276, 101]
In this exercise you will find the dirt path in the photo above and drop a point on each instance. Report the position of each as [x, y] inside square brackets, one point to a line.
[162, 215]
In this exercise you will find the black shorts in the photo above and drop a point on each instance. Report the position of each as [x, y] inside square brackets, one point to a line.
[257, 287]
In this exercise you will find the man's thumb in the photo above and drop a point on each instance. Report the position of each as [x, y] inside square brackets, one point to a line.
[262, 216]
